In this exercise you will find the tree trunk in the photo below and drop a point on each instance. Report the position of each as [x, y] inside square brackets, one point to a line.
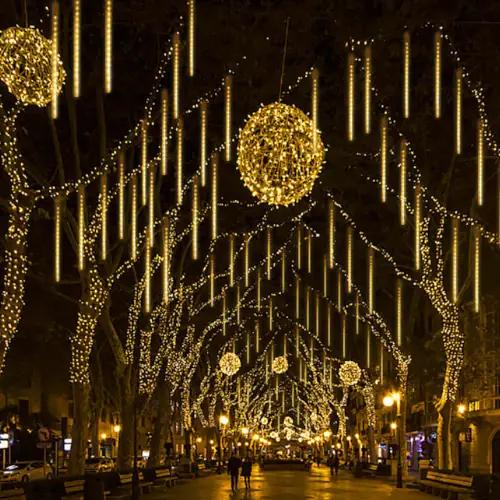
[372, 447]
[79, 432]
[444, 435]
[127, 408]
[402, 434]
[161, 424]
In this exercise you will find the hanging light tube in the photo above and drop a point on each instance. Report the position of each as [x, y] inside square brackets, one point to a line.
[331, 233]
[367, 60]
[231, 259]
[203, 142]
[121, 195]
[180, 158]
[477, 268]
[166, 260]
[418, 217]
[151, 206]
[214, 195]
[176, 80]
[454, 258]
[247, 260]
[458, 111]
[228, 83]
[371, 274]
[77, 43]
[402, 181]
[350, 95]
[133, 217]
[57, 238]
[283, 270]
[383, 159]
[212, 279]
[164, 133]
[81, 227]
[437, 74]
[480, 162]
[269, 244]
[349, 259]
[104, 216]
[54, 60]
[194, 217]
[406, 74]
[191, 36]
[399, 312]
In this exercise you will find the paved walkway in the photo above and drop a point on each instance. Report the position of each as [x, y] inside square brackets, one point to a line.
[289, 485]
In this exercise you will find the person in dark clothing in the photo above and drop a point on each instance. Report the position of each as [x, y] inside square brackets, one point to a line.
[318, 460]
[336, 463]
[330, 463]
[233, 468]
[246, 470]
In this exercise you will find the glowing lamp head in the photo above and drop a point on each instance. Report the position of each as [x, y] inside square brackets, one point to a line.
[223, 420]
[245, 431]
[198, 439]
[255, 437]
[394, 426]
[348, 438]
[327, 434]
[211, 442]
[339, 446]
[117, 428]
[388, 401]
[396, 396]
[356, 435]
[104, 436]
[461, 409]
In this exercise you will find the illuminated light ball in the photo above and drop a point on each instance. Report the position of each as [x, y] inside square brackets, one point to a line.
[280, 364]
[288, 422]
[26, 67]
[264, 421]
[230, 363]
[350, 373]
[273, 434]
[279, 154]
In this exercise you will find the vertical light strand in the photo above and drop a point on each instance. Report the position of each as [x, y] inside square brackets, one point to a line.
[164, 133]
[402, 181]
[317, 312]
[54, 60]
[350, 95]
[299, 246]
[104, 216]
[269, 245]
[331, 234]
[307, 293]
[180, 159]
[214, 197]
[297, 296]
[133, 217]
[371, 274]
[271, 315]
[367, 62]
[437, 74]
[283, 270]
[344, 336]
[399, 312]
[121, 195]
[57, 238]
[238, 304]
[382, 374]
[383, 158]
[480, 163]
[81, 227]
[231, 259]
[194, 216]
[356, 306]
[108, 46]
[329, 324]
[418, 217]
[455, 228]
[144, 162]
[325, 276]
[224, 313]
[228, 90]
[339, 290]
[297, 341]
[477, 268]
[257, 335]
[406, 74]
[147, 275]
[191, 36]
[77, 44]
[258, 288]
[368, 346]
[212, 279]
[314, 104]
[458, 111]
[247, 260]
[176, 77]
[203, 141]
[151, 205]
[311, 351]
[166, 260]
[309, 251]
[349, 250]
[248, 348]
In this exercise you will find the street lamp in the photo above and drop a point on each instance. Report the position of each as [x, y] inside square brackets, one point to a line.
[223, 421]
[389, 401]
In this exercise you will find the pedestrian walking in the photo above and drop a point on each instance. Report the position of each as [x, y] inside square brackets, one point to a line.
[336, 464]
[246, 470]
[330, 463]
[318, 460]
[233, 468]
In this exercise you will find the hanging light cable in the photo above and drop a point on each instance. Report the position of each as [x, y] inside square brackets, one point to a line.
[176, 80]
[214, 196]
[104, 216]
[314, 104]
[402, 181]
[151, 206]
[203, 142]
[54, 59]
[77, 43]
[191, 35]
[437, 74]
[371, 274]
[180, 159]
[331, 234]
[367, 62]
[133, 217]
[349, 258]
[480, 162]
[477, 268]
[194, 217]
[458, 111]
[383, 159]
[57, 238]
[108, 45]
[350, 95]
[164, 132]
[228, 83]
[454, 258]
[81, 227]
[166, 260]
[406, 74]
[399, 312]
[418, 217]
[147, 276]
[121, 195]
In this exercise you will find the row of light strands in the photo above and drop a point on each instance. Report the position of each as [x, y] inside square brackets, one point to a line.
[403, 151]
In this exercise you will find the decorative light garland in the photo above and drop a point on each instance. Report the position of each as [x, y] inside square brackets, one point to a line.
[108, 46]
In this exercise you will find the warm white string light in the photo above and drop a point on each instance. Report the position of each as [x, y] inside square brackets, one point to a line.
[458, 111]
[383, 159]
[121, 196]
[108, 46]
[194, 217]
[480, 163]
[214, 195]
[57, 238]
[81, 228]
[331, 233]
[54, 59]
[77, 42]
[367, 62]
[104, 216]
[399, 312]
[418, 218]
[477, 268]
[164, 132]
[133, 217]
[228, 90]
[203, 141]
[269, 246]
[147, 275]
[406, 74]
[371, 275]
[191, 35]
[314, 103]
[166, 260]
[350, 95]
[180, 159]
[402, 181]
[151, 206]
[454, 258]
[437, 74]
[176, 77]
[349, 250]
[144, 162]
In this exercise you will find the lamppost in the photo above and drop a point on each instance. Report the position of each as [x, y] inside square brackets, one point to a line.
[223, 421]
[389, 401]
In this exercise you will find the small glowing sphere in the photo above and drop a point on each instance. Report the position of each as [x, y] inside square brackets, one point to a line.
[255, 437]
[230, 363]
[273, 434]
[288, 422]
[388, 401]
[279, 154]
[394, 426]
[198, 439]
[245, 431]
[264, 421]
[350, 373]
[461, 409]
[117, 428]
[327, 434]
[280, 364]
[223, 420]
[104, 436]
[356, 435]
[26, 66]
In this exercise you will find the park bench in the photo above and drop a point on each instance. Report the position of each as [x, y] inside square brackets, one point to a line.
[124, 486]
[74, 488]
[454, 486]
[164, 477]
[13, 494]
